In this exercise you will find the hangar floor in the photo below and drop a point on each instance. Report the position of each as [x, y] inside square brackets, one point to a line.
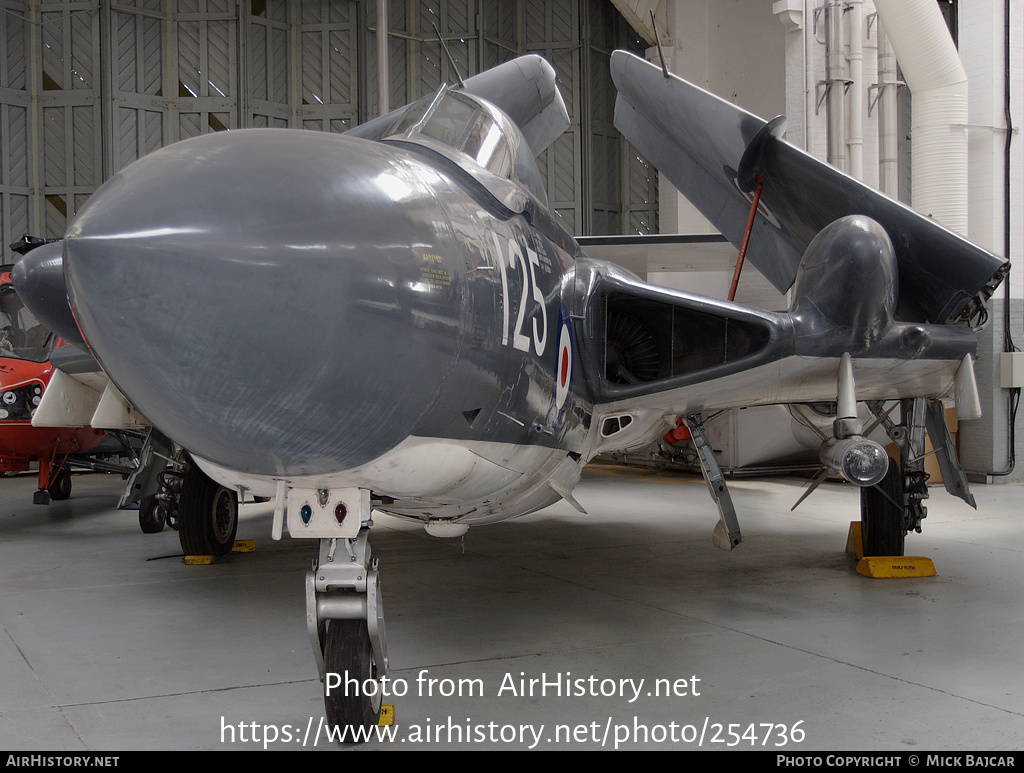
[109, 642]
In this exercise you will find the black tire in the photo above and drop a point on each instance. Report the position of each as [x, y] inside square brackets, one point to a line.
[151, 517]
[347, 650]
[207, 516]
[61, 487]
[882, 524]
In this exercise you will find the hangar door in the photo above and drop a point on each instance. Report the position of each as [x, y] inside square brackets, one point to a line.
[86, 88]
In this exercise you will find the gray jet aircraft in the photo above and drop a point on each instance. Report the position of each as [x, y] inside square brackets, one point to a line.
[391, 319]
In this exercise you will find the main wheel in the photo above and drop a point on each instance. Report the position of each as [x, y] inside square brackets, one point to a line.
[151, 516]
[347, 652]
[882, 525]
[207, 515]
[61, 486]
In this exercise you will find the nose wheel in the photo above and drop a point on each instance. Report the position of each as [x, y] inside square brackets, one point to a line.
[345, 619]
[349, 654]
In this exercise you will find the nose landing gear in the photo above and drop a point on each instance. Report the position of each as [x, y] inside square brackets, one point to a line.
[345, 619]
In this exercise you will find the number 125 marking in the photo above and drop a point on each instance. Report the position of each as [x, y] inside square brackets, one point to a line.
[527, 268]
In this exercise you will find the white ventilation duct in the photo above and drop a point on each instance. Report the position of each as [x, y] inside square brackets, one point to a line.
[835, 77]
[855, 136]
[888, 139]
[938, 84]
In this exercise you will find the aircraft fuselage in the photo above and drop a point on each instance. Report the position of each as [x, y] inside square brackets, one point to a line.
[386, 311]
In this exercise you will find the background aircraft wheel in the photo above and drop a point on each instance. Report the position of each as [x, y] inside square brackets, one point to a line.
[61, 486]
[347, 648]
[882, 525]
[151, 517]
[207, 515]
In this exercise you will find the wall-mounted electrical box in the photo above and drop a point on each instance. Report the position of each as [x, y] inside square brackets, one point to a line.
[1011, 370]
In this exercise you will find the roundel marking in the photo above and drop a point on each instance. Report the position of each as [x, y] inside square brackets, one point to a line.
[563, 370]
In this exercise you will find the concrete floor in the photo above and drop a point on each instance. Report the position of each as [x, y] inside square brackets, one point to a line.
[109, 642]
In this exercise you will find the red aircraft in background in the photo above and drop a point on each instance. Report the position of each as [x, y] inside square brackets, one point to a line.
[25, 372]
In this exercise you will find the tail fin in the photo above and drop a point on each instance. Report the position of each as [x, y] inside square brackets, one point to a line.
[526, 92]
[523, 88]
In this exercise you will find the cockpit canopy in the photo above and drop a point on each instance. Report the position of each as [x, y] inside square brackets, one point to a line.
[475, 130]
[21, 335]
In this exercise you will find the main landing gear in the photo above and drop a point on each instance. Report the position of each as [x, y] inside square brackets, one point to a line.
[204, 512]
[345, 619]
[171, 489]
[207, 515]
[895, 505]
[883, 529]
[727, 533]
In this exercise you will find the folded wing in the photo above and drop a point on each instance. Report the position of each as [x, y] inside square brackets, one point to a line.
[714, 153]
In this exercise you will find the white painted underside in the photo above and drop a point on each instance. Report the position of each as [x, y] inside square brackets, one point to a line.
[431, 479]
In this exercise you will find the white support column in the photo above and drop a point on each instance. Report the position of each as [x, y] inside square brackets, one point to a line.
[985, 443]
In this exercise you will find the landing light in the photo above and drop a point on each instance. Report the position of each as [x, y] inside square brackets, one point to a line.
[857, 459]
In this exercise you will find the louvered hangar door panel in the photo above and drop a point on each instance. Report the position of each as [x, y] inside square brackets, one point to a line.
[456, 21]
[552, 30]
[72, 156]
[206, 37]
[327, 66]
[140, 105]
[183, 68]
[267, 66]
[500, 33]
[14, 144]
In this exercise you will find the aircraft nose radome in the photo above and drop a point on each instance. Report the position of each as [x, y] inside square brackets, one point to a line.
[271, 280]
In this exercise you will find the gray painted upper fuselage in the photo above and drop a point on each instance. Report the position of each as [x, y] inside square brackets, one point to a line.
[366, 312]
